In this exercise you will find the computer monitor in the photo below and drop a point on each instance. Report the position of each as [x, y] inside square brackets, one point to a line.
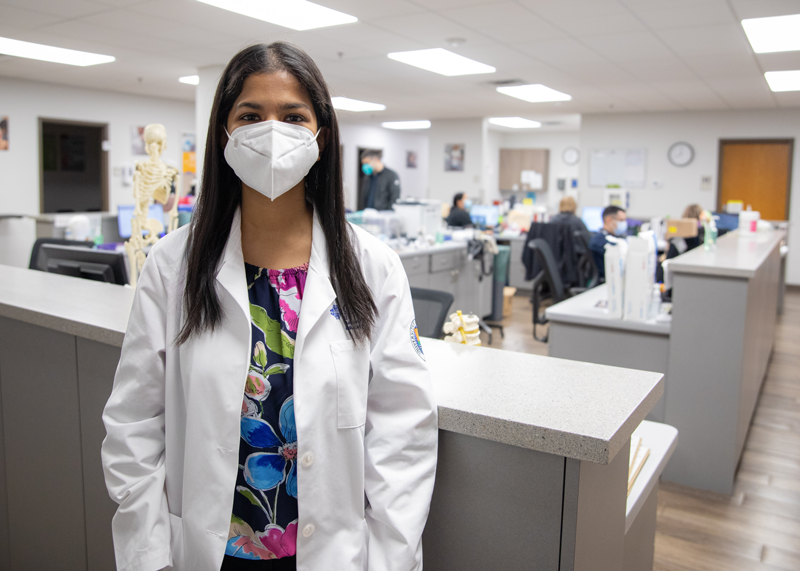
[97, 265]
[125, 215]
[485, 215]
[592, 217]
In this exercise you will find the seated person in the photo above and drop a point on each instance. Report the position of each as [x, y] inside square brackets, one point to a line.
[459, 216]
[566, 215]
[678, 246]
[615, 223]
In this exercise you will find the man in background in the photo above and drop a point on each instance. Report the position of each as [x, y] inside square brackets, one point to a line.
[382, 187]
[615, 223]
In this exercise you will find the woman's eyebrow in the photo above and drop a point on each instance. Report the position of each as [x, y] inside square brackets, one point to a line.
[251, 105]
[298, 105]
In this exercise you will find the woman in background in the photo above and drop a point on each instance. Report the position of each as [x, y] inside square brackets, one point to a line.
[459, 215]
[566, 215]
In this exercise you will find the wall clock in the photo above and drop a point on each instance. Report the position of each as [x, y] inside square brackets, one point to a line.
[680, 154]
[571, 156]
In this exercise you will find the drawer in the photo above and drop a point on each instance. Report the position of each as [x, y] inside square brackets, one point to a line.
[445, 261]
[415, 265]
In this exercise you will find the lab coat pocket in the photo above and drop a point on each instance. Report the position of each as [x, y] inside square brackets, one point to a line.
[352, 381]
[176, 543]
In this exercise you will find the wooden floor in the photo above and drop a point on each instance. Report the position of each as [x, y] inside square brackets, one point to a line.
[758, 527]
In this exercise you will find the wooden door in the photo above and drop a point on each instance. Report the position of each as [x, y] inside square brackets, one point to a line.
[757, 172]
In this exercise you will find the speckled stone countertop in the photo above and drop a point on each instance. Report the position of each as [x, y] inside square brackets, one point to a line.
[84, 308]
[737, 256]
[567, 408]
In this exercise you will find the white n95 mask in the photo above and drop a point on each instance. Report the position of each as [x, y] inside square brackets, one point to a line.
[271, 157]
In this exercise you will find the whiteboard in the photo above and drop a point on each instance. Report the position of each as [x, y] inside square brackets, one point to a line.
[623, 167]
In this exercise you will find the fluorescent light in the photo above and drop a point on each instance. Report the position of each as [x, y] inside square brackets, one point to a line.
[515, 122]
[190, 79]
[406, 124]
[442, 61]
[536, 93]
[776, 34]
[783, 80]
[49, 53]
[347, 104]
[294, 14]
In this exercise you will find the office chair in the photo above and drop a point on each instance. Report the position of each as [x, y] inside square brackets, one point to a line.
[431, 308]
[588, 274]
[550, 277]
[37, 246]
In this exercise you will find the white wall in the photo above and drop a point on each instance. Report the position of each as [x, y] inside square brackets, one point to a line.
[444, 184]
[25, 101]
[395, 144]
[556, 141]
[681, 185]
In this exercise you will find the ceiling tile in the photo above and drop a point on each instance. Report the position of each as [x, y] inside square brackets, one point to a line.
[658, 69]
[722, 65]
[368, 40]
[445, 4]
[130, 39]
[560, 52]
[597, 73]
[711, 40]
[563, 12]
[779, 61]
[788, 99]
[691, 94]
[627, 47]
[743, 92]
[22, 19]
[373, 9]
[430, 29]
[686, 15]
[71, 9]
[603, 25]
[503, 21]
[764, 8]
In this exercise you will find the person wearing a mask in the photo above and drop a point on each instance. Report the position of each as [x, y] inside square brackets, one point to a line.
[383, 184]
[459, 214]
[615, 223]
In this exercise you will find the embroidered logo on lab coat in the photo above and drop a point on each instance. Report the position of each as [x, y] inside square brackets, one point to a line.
[338, 315]
[415, 342]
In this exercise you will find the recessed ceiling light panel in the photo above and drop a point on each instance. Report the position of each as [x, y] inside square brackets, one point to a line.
[535, 93]
[775, 34]
[515, 122]
[294, 14]
[783, 80]
[41, 52]
[439, 60]
[347, 104]
[190, 79]
[406, 124]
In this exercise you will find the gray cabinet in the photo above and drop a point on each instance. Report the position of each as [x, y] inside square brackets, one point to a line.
[516, 270]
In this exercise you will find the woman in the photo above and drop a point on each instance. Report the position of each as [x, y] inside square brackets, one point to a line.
[272, 408]
[566, 215]
[459, 216]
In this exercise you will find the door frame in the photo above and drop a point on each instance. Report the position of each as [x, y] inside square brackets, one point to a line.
[723, 142]
[103, 158]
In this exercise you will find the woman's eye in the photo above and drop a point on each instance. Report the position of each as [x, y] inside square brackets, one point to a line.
[295, 119]
[250, 117]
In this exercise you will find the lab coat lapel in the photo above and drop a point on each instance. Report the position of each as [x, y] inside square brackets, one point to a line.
[319, 293]
[231, 274]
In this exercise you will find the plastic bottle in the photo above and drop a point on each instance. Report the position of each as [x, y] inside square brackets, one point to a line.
[655, 301]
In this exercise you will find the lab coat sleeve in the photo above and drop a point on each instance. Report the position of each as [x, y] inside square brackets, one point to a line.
[401, 434]
[133, 450]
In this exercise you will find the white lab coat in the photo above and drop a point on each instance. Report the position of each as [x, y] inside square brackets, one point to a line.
[365, 416]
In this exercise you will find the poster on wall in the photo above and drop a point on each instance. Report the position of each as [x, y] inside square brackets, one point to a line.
[411, 159]
[189, 149]
[137, 140]
[3, 132]
[454, 157]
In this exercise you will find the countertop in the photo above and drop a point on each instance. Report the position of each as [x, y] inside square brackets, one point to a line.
[568, 408]
[736, 255]
[579, 410]
[93, 310]
[582, 310]
[448, 246]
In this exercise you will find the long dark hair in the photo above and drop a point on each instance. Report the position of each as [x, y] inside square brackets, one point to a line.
[221, 195]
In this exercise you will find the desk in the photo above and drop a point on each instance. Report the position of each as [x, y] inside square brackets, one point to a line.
[533, 452]
[714, 354]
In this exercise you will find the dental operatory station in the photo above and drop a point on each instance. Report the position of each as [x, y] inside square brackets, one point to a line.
[393, 285]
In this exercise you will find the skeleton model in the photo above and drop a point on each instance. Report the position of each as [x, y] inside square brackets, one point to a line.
[152, 180]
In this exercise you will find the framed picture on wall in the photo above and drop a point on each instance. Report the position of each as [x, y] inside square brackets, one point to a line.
[137, 140]
[3, 132]
[454, 157]
[411, 159]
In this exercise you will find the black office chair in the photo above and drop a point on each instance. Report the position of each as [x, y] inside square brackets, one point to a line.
[588, 274]
[34, 263]
[431, 308]
[549, 278]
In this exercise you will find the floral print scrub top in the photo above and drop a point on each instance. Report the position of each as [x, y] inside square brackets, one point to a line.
[264, 519]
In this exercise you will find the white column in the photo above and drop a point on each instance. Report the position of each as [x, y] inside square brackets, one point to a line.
[203, 100]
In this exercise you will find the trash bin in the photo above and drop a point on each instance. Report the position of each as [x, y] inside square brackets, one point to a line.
[500, 279]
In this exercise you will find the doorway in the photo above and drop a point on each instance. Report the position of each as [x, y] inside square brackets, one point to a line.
[759, 173]
[73, 167]
[363, 180]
